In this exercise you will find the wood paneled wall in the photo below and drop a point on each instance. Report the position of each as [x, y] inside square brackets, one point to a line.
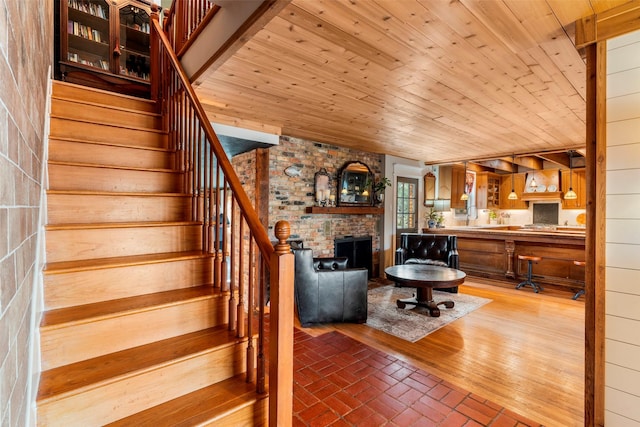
[622, 342]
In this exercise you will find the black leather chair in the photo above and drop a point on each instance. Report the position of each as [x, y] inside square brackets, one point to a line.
[434, 249]
[326, 291]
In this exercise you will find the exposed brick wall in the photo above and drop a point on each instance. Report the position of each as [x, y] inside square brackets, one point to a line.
[26, 50]
[289, 196]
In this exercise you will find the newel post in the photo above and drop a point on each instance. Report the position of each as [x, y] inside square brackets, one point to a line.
[281, 330]
[155, 56]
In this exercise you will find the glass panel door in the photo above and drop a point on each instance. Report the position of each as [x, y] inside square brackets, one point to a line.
[406, 207]
[134, 42]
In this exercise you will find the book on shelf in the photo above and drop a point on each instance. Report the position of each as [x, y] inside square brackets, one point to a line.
[90, 8]
[80, 30]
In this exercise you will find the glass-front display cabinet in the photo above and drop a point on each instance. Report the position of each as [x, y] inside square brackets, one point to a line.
[105, 44]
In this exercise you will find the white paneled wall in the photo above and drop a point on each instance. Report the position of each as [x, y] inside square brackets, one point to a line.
[622, 345]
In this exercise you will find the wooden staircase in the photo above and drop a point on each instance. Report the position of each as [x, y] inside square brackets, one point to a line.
[134, 332]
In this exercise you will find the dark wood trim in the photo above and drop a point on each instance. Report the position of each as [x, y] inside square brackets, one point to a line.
[345, 210]
[596, 238]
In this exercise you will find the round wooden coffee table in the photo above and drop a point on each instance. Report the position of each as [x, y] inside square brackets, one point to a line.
[425, 278]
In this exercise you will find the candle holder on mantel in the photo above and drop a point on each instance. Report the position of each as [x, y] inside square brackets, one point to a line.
[322, 188]
[325, 198]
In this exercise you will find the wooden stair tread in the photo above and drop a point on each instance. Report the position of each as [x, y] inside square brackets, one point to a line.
[199, 406]
[94, 225]
[98, 104]
[91, 372]
[91, 312]
[59, 83]
[100, 263]
[112, 144]
[114, 194]
[101, 166]
[111, 125]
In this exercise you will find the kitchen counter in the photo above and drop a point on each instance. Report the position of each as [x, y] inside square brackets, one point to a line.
[492, 251]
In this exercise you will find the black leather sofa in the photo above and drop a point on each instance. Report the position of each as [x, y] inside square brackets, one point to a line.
[326, 291]
[434, 249]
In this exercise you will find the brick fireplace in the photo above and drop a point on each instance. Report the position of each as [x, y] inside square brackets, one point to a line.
[289, 196]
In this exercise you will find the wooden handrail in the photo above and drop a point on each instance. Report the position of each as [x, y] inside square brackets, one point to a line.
[216, 191]
[260, 235]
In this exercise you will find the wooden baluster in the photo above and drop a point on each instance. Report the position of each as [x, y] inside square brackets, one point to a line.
[216, 244]
[281, 329]
[261, 371]
[240, 318]
[240, 278]
[225, 234]
[250, 313]
[234, 271]
[212, 223]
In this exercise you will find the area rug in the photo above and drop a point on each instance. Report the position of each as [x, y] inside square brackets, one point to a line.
[413, 324]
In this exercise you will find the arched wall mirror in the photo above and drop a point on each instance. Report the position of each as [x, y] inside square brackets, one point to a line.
[429, 189]
[355, 185]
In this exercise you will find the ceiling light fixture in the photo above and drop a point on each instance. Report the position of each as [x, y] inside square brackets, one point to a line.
[513, 195]
[570, 195]
[465, 196]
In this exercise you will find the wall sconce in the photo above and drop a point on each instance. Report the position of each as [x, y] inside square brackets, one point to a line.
[512, 195]
[570, 195]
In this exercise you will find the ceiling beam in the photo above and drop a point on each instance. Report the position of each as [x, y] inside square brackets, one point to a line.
[561, 159]
[530, 162]
[498, 164]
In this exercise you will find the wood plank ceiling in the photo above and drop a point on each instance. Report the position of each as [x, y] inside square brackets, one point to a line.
[431, 80]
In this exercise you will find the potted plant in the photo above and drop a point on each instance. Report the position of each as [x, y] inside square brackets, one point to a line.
[432, 218]
[379, 187]
[493, 217]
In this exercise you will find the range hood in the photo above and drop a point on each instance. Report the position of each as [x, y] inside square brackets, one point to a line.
[548, 184]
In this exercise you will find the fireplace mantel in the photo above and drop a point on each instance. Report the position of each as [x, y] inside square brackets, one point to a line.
[345, 210]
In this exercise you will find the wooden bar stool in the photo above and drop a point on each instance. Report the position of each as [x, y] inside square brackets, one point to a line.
[530, 259]
[581, 291]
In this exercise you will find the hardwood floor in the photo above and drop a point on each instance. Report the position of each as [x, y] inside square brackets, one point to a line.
[524, 351]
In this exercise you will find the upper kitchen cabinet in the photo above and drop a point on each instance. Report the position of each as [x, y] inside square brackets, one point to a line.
[578, 182]
[457, 187]
[519, 180]
[105, 44]
[488, 190]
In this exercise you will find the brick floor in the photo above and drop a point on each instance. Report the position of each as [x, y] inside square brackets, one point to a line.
[339, 381]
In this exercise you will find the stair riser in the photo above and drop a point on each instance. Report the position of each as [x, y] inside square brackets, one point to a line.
[122, 398]
[255, 414]
[64, 344]
[103, 114]
[80, 244]
[88, 178]
[84, 209]
[86, 287]
[62, 90]
[72, 129]
[110, 155]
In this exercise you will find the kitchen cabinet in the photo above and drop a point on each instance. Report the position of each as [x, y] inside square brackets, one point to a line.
[579, 186]
[457, 187]
[488, 190]
[519, 180]
[105, 44]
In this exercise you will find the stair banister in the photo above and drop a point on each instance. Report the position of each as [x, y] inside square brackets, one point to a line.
[191, 134]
